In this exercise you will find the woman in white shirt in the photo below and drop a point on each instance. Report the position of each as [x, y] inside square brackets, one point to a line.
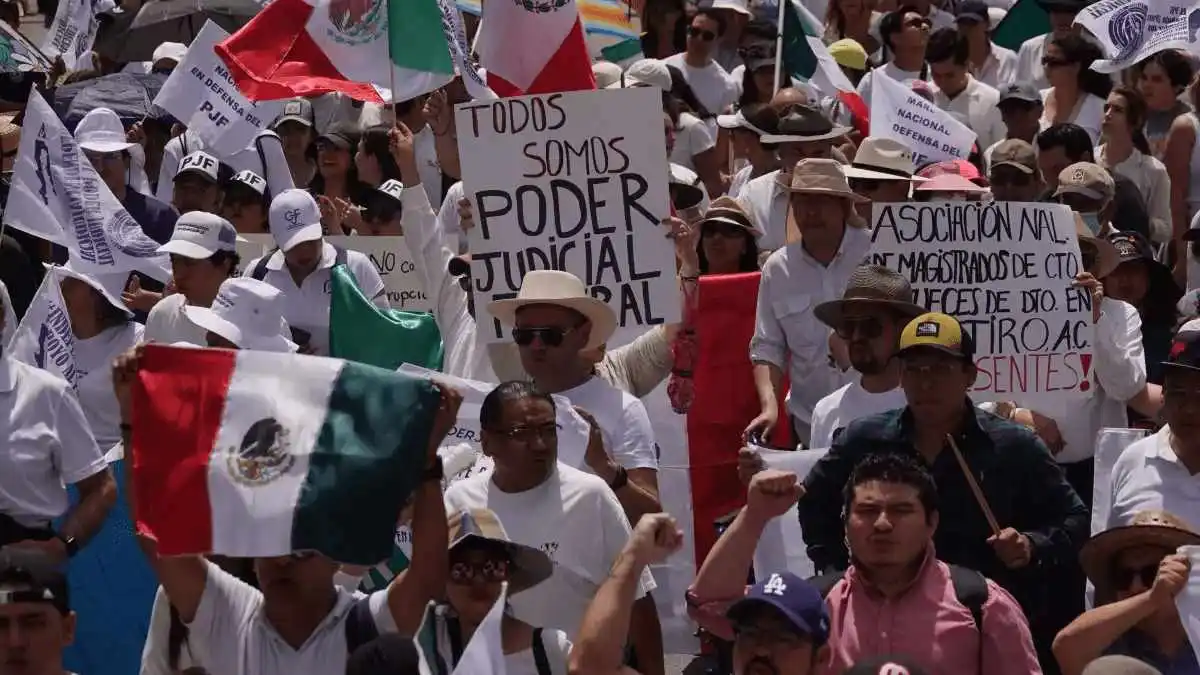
[1076, 92]
[1126, 151]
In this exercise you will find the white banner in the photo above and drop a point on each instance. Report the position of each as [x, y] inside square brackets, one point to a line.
[781, 547]
[73, 32]
[200, 93]
[57, 195]
[394, 263]
[1133, 30]
[1005, 270]
[44, 338]
[902, 115]
[575, 182]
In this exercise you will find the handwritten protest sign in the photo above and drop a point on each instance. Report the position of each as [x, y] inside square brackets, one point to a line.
[395, 265]
[902, 115]
[574, 182]
[1005, 270]
[1132, 30]
[201, 93]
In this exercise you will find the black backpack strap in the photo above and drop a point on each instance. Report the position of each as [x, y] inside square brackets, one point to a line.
[971, 590]
[540, 660]
[825, 582]
[456, 644]
[360, 625]
[260, 270]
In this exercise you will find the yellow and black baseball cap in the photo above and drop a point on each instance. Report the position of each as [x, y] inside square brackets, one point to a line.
[937, 331]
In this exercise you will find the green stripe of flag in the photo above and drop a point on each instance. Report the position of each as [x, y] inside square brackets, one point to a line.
[799, 59]
[416, 39]
[360, 331]
[368, 458]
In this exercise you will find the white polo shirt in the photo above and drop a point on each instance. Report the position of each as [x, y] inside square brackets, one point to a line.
[231, 635]
[45, 444]
[1148, 476]
[307, 306]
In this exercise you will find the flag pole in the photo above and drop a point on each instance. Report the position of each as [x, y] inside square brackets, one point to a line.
[779, 45]
[391, 68]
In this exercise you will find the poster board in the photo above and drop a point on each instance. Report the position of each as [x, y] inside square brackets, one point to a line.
[576, 182]
[394, 263]
[902, 115]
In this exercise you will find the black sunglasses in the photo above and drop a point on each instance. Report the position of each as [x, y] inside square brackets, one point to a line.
[551, 336]
[706, 35]
[1122, 577]
[870, 328]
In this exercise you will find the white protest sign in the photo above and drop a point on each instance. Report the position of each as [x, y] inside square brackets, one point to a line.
[574, 182]
[902, 115]
[1005, 271]
[1132, 30]
[200, 92]
[73, 32]
[781, 546]
[394, 263]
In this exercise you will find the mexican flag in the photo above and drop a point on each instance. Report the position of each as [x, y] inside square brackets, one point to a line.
[360, 331]
[256, 454]
[361, 48]
[806, 58]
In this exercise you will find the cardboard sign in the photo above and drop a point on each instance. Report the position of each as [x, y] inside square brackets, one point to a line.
[394, 263]
[902, 115]
[1005, 270]
[574, 182]
[200, 92]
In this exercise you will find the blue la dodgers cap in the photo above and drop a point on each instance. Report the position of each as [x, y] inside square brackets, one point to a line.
[797, 600]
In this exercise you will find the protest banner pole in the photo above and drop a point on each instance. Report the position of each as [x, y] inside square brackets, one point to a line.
[983, 504]
[779, 44]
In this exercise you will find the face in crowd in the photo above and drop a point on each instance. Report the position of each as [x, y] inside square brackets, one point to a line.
[878, 191]
[33, 634]
[1012, 184]
[195, 192]
[295, 137]
[199, 279]
[520, 434]
[914, 31]
[478, 571]
[550, 338]
[766, 643]
[304, 257]
[789, 154]
[935, 383]
[302, 579]
[113, 167]
[1128, 282]
[890, 515]
[702, 34]
[245, 209]
[821, 219]
[871, 333]
[1181, 402]
[724, 246]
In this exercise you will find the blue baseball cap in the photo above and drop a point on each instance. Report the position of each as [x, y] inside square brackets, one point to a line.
[797, 600]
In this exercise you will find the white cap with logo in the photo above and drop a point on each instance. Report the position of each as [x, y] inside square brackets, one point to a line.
[294, 218]
[199, 235]
[248, 313]
[392, 188]
[200, 162]
[251, 180]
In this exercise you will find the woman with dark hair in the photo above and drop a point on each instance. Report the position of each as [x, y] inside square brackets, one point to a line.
[1145, 283]
[1126, 152]
[746, 129]
[665, 26]
[1161, 80]
[373, 160]
[337, 186]
[1076, 92]
[758, 80]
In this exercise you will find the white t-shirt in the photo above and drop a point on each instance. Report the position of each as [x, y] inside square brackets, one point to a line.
[624, 424]
[46, 443]
[555, 643]
[231, 635]
[847, 404]
[93, 360]
[307, 307]
[710, 83]
[575, 519]
[889, 69]
[692, 137]
[154, 653]
[168, 324]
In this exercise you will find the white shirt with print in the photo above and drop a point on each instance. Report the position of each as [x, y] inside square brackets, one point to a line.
[847, 404]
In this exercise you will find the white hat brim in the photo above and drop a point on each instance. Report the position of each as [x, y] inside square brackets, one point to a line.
[105, 146]
[307, 233]
[99, 287]
[836, 132]
[207, 319]
[867, 174]
[598, 313]
[729, 121]
[186, 249]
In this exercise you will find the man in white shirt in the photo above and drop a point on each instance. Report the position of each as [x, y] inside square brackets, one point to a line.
[814, 268]
[203, 250]
[1159, 472]
[198, 183]
[566, 513]
[555, 322]
[708, 80]
[958, 92]
[904, 34]
[301, 268]
[35, 617]
[867, 321]
[991, 64]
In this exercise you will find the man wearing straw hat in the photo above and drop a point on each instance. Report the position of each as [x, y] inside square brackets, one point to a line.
[814, 267]
[1138, 571]
[1011, 515]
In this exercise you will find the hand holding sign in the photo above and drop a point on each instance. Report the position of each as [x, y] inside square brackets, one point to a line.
[1092, 284]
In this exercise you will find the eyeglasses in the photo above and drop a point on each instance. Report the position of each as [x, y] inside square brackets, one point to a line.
[1122, 577]
[491, 571]
[861, 185]
[706, 35]
[527, 435]
[1051, 62]
[725, 230]
[551, 336]
[869, 327]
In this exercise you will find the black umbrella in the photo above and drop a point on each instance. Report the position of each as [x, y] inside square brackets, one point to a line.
[160, 21]
[129, 95]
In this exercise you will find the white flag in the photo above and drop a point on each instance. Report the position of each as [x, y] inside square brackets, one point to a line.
[484, 652]
[1133, 30]
[57, 195]
[74, 31]
[460, 52]
[44, 338]
[902, 115]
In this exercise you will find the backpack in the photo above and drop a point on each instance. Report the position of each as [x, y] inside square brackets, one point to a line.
[970, 589]
[360, 626]
[260, 270]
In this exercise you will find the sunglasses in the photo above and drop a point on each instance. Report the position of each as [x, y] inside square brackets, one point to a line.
[491, 571]
[918, 23]
[551, 336]
[706, 35]
[725, 230]
[103, 156]
[861, 185]
[869, 327]
[1122, 577]
[1051, 62]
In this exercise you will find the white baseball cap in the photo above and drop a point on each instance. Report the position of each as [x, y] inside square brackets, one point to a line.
[392, 188]
[738, 121]
[169, 51]
[251, 180]
[294, 218]
[101, 130]
[248, 313]
[199, 235]
[645, 73]
[739, 6]
[202, 163]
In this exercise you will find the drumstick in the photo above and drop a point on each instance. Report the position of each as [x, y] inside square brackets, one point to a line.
[962, 464]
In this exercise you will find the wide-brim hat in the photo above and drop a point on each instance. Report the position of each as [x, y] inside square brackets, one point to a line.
[209, 320]
[552, 287]
[725, 209]
[1148, 528]
[804, 124]
[110, 285]
[819, 176]
[883, 159]
[529, 566]
[1107, 257]
[872, 285]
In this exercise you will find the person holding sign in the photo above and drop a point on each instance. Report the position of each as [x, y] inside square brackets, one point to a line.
[814, 267]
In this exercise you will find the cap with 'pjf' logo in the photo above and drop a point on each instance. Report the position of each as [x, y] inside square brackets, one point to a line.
[248, 313]
[797, 600]
[199, 163]
[294, 218]
[937, 331]
[251, 180]
[392, 188]
[199, 235]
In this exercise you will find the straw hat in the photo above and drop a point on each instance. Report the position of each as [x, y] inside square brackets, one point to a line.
[530, 566]
[1148, 528]
[552, 287]
[822, 177]
[874, 285]
[880, 158]
[726, 209]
